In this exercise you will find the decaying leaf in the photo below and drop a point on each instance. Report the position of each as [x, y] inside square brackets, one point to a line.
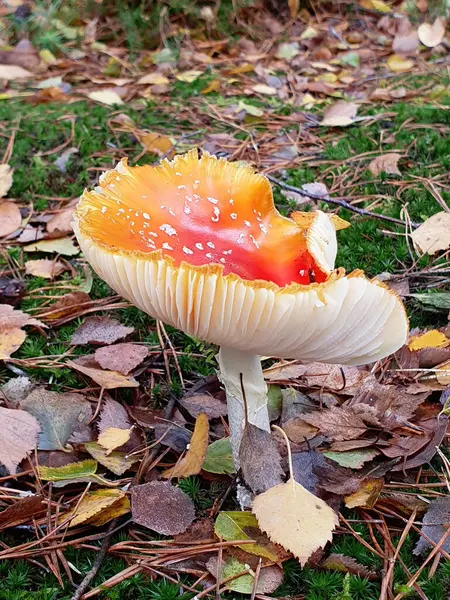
[406, 43]
[432, 35]
[107, 502]
[430, 339]
[435, 524]
[342, 422]
[122, 358]
[57, 414]
[16, 389]
[11, 334]
[269, 579]
[219, 457]
[346, 564]
[44, 267]
[294, 518]
[366, 495]
[18, 436]
[386, 163]
[241, 525]
[100, 330]
[109, 380]
[117, 462]
[22, 511]
[434, 234]
[192, 462]
[204, 403]
[10, 217]
[304, 465]
[340, 114]
[113, 437]
[64, 246]
[353, 459]
[259, 459]
[61, 223]
[162, 507]
[68, 305]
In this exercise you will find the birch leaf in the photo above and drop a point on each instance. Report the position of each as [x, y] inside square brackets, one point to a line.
[192, 462]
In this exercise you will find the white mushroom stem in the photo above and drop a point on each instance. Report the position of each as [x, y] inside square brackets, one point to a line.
[234, 363]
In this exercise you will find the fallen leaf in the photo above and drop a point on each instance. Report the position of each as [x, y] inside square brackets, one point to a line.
[117, 462]
[288, 50]
[354, 459]
[310, 32]
[242, 525]
[432, 35]
[342, 422]
[162, 507]
[23, 54]
[378, 5]
[346, 564]
[430, 339]
[259, 459]
[18, 436]
[44, 267]
[109, 380]
[113, 414]
[100, 330]
[64, 246]
[406, 43]
[113, 437]
[156, 143]
[295, 519]
[120, 507]
[340, 114]
[213, 86]
[436, 300]
[204, 403]
[122, 358]
[304, 465]
[399, 64]
[367, 495]
[11, 334]
[386, 163]
[58, 415]
[269, 577]
[219, 458]
[10, 218]
[61, 223]
[154, 78]
[10, 340]
[16, 389]
[74, 470]
[6, 179]
[67, 305]
[192, 461]
[11, 290]
[107, 97]
[266, 90]
[254, 111]
[93, 503]
[434, 234]
[435, 525]
[188, 76]
[23, 510]
[13, 72]
[62, 161]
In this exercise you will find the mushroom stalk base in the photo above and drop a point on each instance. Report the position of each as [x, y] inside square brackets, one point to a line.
[232, 364]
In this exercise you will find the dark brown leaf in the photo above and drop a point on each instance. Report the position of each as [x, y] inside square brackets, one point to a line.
[346, 564]
[121, 357]
[162, 507]
[259, 459]
[22, 511]
[304, 465]
[100, 330]
[435, 524]
[204, 403]
[342, 422]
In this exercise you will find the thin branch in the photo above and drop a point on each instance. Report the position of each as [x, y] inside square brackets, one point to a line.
[339, 201]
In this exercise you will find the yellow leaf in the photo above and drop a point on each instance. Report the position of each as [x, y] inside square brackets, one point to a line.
[156, 143]
[294, 6]
[214, 86]
[10, 341]
[192, 462]
[120, 507]
[92, 504]
[153, 79]
[10, 218]
[304, 220]
[109, 380]
[117, 462]
[294, 518]
[399, 64]
[309, 33]
[367, 494]
[107, 97]
[430, 339]
[114, 437]
[188, 76]
[244, 68]
[63, 246]
[378, 5]
[432, 35]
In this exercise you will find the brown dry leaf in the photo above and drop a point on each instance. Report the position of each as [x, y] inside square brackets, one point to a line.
[259, 459]
[342, 422]
[11, 334]
[93, 503]
[430, 339]
[156, 143]
[44, 267]
[67, 305]
[204, 403]
[23, 55]
[192, 462]
[13, 72]
[386, 163]
[294, 518]
[154, 78]
[21, 511]
[366, 495]
[6, 178]
[109, 380]
[18, 436]
[113, 437]
[10, 218]
[406, 43]
[162, 507]
[113, 414]
[432, 35]
[434, 234]
[435, 524]
[399, 64]
[100, 330]
[340, 114]
[346, 564]
[121, 357]
[61, 223]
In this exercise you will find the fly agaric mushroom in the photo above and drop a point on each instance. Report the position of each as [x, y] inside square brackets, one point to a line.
[198, 243]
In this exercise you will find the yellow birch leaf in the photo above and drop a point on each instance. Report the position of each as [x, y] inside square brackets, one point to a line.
[156, 143]
[92, 504]
[114, 437]
[120, 507]
[10, 341]
[305, 219]
[399, 64]
[367, 494]
[117, 462]
[192, 462]
[294, 518]
[430, 339]
[378, 5]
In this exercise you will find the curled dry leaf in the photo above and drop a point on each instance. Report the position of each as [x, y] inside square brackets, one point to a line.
[294, 518]
[18, 436]
[44, 267]
[366, 495]
[162, 507]
[192, 462]
[340, 114]
[342, 422]
[68, 305]
[113, 437]
[432, 35]
[346, 564]
[109, 380]
[10, 218]
[11, 334]
[259, 459]
[100, 330]
[6, 179]
[122, 358]
[434, 234]
[386, 163]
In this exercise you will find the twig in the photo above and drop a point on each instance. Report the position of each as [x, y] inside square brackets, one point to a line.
[90, 575]
[338, 201]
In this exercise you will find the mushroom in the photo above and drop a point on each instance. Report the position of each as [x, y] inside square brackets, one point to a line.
[198, 243]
